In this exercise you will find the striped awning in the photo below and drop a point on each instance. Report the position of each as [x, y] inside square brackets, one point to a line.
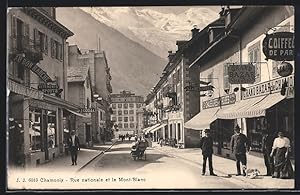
[249, 108]
[151, 128]
[203, 119]
[157, 128]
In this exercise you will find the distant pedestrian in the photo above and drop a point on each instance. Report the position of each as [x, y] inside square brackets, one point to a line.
[206, 145]
[161, 140]
[74, 146]
[267, 142]
[240, 144]
[282, 164]
[123, 137]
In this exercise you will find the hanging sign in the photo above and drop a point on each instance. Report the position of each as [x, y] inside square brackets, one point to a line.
[48, 88]
[198, 88]
[33, 67]
[279, 46]
[241, 74]
[86, 110]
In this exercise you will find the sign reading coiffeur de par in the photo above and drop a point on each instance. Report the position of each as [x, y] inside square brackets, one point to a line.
[241, 74]
[279, 46]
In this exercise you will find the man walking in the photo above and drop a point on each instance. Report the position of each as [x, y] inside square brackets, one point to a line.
[239, 144]
[206, 145]
[74, 146]
[267, 143]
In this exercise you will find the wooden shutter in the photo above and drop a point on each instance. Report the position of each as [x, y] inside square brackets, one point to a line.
[26, 34]
[52, 48]
[46, 44]
[13, 40]
[60, 52]
[36, 38]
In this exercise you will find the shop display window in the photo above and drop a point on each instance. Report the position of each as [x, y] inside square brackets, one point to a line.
[256, 127]
[51, 129]
[35, 129]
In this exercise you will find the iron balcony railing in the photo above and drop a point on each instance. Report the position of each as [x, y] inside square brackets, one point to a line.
[24, 45]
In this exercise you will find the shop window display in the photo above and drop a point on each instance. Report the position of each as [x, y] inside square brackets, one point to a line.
[35, 129]
[256, 127]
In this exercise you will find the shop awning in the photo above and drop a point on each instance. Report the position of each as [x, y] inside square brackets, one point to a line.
[157, 128]
[203, 119]
[77, 113]
[151, 128]
[254, 107]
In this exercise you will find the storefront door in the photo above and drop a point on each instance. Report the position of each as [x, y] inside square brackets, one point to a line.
[45, 134]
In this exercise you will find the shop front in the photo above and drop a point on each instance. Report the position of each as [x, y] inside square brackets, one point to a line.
[262, 111]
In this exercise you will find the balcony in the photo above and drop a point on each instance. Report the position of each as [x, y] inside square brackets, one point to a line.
[168, 89]
[26, 46]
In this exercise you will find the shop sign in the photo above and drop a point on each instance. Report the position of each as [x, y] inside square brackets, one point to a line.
[48, 88]
[241, 74]
[215, 102]
[267, 87]
[86, 110]
[20, 89]
[198, 88]
[284, 69]
[279, 46]
[33, 67]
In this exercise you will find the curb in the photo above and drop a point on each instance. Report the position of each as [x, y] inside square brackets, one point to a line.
[102, 152]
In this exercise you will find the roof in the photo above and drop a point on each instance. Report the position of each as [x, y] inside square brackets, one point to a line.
[77, 73]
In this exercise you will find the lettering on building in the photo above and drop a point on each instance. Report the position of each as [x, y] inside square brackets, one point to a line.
[279, 46]
[33, 67]
[268, 87]
[215, 102]
[86, 110]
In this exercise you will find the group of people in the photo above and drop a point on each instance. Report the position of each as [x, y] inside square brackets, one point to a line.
[123, 137]
[276, 153]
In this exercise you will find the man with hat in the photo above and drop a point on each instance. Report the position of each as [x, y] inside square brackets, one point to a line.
[206, 145]
[74, 146]
[239, 144]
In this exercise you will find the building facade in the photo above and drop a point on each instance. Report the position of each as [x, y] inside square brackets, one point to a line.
[38, 93]
[258, 108]
[125, 107]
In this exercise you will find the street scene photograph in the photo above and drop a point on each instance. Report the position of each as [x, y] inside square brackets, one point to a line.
[151, 97]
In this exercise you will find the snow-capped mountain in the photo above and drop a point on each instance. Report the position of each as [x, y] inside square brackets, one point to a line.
[154, 30]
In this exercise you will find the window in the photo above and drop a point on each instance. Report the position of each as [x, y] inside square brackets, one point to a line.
[254, 56]
[131, 118]
[226, 77]
[114, 118]
[101, 115]
[51, 129]
[114, 112]
[179, 131]
[35, 129]
[120, 125]
[131, 125]
[125, 111]
[56, 50]
[119, 105]
[87, 103]
[131, 105]
[125, 119]
[138, 105]
[119, 118]
[274, 68]
[119, 112]
[125, 105]
[131, 111]
[125, 125]
[40, 41]
[113, 106]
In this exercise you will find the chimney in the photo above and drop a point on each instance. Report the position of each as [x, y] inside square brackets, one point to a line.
[180, 44]
[195, 30]
[171, 55]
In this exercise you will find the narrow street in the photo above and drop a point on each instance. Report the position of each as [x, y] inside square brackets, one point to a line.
[159, 170]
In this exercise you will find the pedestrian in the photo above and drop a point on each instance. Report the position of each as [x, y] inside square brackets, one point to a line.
[206, 145]
[74, 146]
[239, 144]
[123, 137]
[267, 142]
[282, 164]
[161, 140]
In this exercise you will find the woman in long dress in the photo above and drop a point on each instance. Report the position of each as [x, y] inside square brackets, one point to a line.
[282, 163]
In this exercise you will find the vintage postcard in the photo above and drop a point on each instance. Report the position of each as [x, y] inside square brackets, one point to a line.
[152, 97]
